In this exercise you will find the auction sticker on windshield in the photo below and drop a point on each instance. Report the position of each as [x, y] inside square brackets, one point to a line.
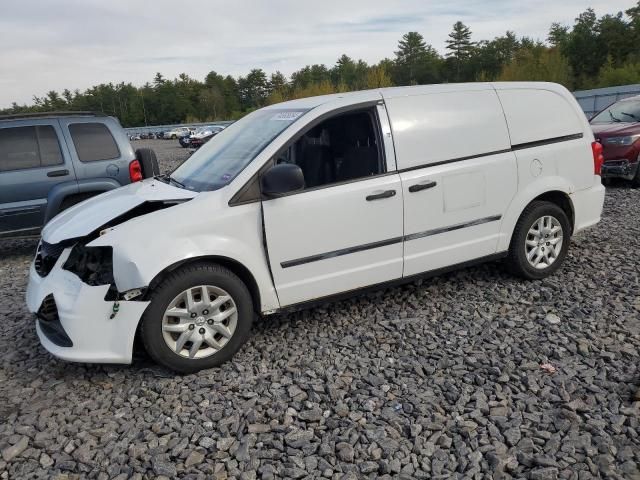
[286, 116]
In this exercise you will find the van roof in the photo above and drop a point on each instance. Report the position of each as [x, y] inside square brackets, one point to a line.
[20, 116]
[391, 92]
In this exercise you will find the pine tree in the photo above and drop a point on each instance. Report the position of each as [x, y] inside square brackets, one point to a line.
[460, 47]
[411, 52]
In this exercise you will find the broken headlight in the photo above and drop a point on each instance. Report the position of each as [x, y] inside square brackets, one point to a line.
[93, 265]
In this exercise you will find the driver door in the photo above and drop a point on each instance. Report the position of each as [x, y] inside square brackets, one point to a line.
[344, 230]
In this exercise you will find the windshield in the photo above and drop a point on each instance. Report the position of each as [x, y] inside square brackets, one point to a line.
[624, 111]
[223, 157]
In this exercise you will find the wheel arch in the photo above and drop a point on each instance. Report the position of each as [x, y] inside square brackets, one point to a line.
[554, 189]
[233, 265]
[562, 200]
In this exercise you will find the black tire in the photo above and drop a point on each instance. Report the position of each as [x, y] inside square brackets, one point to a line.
[179, 281]
[148, 162]
[517, 260]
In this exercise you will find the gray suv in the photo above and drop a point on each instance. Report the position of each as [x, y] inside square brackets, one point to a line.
[50, 161]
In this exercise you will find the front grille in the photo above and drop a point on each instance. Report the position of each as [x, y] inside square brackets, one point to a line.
[50, 325]
[46, 257]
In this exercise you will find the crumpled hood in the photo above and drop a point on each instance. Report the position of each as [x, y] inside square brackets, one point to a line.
[88, 216]
[617, 129]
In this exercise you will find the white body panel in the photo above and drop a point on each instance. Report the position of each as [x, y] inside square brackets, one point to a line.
[434, 127]
[85, 217]
[329, 220]
[449, 140]
[489, 149]
[478, 190]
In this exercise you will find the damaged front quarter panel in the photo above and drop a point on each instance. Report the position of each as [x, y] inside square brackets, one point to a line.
[113, 207]
[93, 265]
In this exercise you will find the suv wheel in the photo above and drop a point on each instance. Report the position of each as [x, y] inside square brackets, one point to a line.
[540, 241]
[198, 318]
[148, 162]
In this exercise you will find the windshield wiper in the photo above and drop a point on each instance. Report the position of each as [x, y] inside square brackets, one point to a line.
[176, 182]
[631, 115]
[615, 119]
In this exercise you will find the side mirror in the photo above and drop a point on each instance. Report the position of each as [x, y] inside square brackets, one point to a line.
[282, 179]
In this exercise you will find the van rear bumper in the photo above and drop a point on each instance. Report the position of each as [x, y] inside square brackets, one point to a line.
[587, 206]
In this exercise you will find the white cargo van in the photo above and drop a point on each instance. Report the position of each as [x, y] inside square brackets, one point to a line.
[306, 200]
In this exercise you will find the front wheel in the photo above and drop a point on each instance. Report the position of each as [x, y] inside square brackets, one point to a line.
[199, 316]
[540, 241]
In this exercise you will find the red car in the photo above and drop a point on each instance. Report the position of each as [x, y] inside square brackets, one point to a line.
[617, 128]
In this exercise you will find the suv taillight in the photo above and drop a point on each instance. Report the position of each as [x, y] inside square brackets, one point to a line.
[598, 157]
[135, 171]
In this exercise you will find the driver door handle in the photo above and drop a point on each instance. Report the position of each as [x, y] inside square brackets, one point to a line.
[57, 173]
[379, 196]
[422, 186]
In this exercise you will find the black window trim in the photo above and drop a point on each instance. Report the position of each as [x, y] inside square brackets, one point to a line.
[75, 148]
[40, 167]
[369, 107]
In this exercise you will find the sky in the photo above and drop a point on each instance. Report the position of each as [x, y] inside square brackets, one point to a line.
[74, 44]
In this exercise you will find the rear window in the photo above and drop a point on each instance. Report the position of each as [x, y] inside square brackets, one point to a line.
[93, 142]
[29, 147]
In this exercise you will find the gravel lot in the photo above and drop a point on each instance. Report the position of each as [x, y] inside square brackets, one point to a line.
[434, 380]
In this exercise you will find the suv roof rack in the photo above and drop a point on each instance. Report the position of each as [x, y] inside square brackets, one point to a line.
[17, 116]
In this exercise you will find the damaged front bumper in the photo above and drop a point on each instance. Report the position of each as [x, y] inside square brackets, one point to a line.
[74, 320]
[621, 168]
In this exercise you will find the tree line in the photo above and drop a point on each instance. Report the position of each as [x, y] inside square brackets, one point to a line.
[593, 52]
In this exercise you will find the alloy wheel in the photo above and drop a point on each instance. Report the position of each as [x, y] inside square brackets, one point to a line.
[199, 321]
[544, 242]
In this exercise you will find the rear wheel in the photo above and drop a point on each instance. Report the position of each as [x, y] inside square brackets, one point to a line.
[198, 318]
[540, 241]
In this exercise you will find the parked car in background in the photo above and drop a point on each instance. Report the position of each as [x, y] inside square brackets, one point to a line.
[176, 133]
[303, 201]
[203, 136]
[184, 141]
[200, 135]
[51, 161]
[617, 128]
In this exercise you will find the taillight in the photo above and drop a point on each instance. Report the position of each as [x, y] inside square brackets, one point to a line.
[598, 157]
[135, 171]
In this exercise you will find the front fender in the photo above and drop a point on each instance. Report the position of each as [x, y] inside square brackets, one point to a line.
[146, 246]
[525, 197]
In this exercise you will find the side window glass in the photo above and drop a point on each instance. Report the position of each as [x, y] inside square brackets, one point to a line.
[341, 148]
[93, 142]
[50, 153]
[18, 148]
[22, 148]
